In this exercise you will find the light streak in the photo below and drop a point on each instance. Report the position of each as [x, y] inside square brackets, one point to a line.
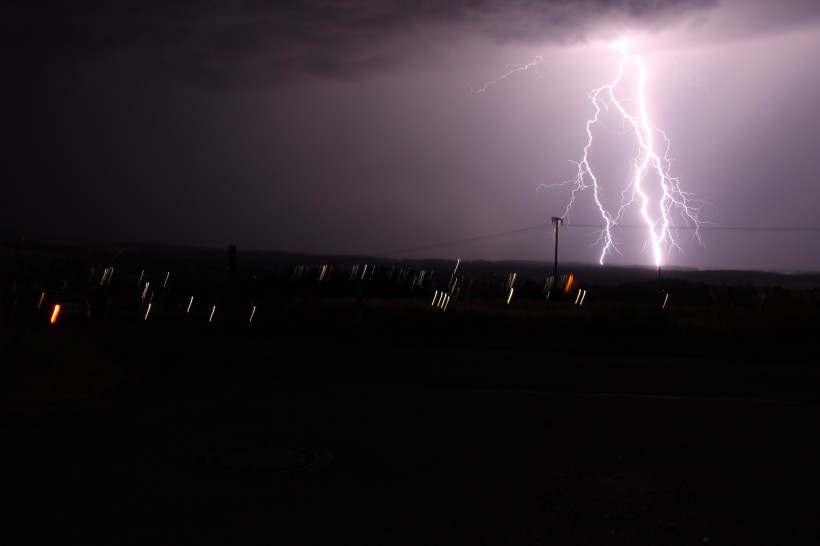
[440, 300]
[548, 284]
[570, 280]
[418, 279]
[446, 302]
[458, 261]
[650, 187]
[108, 272]
[511, 280]
[55, 313]
[509, 286]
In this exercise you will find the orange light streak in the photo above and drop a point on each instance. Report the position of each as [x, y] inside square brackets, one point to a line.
[55, 313]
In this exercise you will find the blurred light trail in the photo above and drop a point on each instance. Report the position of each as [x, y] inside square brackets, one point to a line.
[55, 313]
[579, 298]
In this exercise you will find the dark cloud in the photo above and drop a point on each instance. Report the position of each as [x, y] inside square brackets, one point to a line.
[261, 43]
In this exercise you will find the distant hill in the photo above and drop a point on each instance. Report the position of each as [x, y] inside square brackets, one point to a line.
[16, 250]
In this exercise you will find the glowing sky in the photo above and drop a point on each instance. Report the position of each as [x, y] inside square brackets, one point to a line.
[352, 127]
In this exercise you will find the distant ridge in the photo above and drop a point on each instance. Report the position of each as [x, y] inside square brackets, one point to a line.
[16, 244]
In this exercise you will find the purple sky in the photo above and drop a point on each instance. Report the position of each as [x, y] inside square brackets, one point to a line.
[353, 127]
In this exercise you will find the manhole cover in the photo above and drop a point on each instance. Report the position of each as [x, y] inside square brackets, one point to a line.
[267, 459]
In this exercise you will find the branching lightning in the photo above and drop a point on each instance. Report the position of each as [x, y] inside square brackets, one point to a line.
[651, 188]
[522, 68]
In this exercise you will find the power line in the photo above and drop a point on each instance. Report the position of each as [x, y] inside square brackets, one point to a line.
[469, 240]
[703, 228]
[542, 227]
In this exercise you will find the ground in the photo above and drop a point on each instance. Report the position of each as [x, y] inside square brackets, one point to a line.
[324, 429]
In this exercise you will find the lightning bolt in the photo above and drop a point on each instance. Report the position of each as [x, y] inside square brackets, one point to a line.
[521, 68]
[651, 188]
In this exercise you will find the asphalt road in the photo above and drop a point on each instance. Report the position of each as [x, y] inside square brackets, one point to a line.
[217, 440]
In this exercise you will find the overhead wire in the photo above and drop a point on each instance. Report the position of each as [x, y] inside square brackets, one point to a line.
[541, 227]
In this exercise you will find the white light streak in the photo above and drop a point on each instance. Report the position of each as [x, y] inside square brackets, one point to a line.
[458, 261]
[579, 299]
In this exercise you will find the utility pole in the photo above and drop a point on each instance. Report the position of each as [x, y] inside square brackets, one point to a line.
[556, 221]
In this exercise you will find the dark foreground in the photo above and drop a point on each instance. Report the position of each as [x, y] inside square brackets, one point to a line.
[118, 434]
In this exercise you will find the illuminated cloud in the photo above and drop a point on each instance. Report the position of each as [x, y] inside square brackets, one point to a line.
[349, 127]
[258, 43]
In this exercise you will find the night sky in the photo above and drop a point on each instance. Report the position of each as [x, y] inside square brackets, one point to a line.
[389, 128]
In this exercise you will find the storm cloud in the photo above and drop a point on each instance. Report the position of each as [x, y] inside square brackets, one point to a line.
[252, 43]
[353, 127]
